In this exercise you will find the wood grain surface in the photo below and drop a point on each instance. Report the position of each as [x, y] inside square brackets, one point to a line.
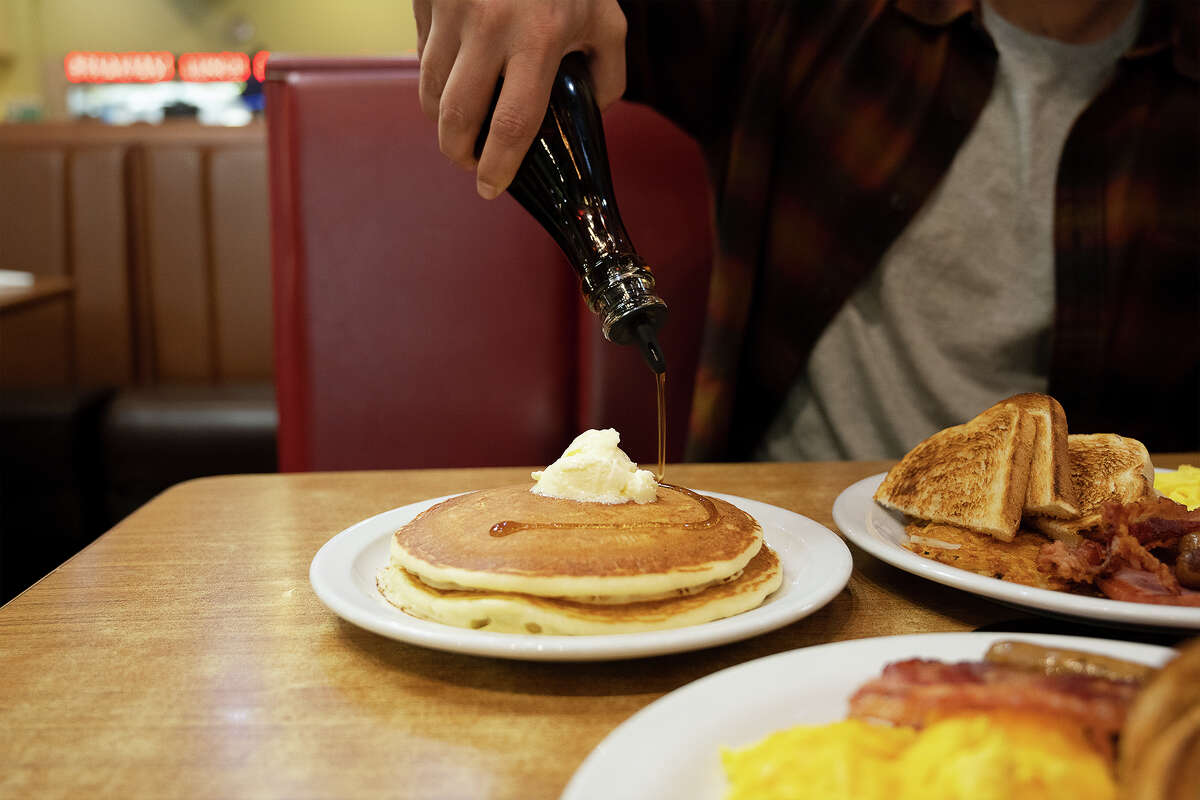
[184, 653]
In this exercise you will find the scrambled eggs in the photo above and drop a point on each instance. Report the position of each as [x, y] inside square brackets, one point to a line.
[1182, 485]
[995, 756]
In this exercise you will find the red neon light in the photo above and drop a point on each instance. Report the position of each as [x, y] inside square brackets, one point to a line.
[207, 67]
[92, 67]
[259, 65]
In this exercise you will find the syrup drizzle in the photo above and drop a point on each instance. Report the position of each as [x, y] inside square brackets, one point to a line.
[508, 526]
[661, 380]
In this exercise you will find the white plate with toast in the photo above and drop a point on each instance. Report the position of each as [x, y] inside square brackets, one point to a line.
[881, 533]
[816, 566]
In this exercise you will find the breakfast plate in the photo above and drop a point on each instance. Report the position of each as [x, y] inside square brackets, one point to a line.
[816, 565]
[880, 532]
[671, 748]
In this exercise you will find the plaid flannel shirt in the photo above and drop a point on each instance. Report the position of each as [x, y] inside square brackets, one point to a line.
[827, 123]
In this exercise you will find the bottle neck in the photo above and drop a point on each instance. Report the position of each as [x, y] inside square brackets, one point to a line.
[565, 184]
[620, 290]
[564, 180]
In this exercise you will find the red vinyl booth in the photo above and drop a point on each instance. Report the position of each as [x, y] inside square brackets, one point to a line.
[417, 325]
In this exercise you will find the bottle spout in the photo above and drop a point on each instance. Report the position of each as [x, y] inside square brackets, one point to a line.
[629, 311]
[647, 342]
[639, 328]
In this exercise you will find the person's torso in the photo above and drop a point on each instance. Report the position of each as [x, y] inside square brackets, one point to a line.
[958, 314]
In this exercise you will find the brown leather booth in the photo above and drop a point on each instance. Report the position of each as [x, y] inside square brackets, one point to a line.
[418, 325]
[163, 233]
[160, 235]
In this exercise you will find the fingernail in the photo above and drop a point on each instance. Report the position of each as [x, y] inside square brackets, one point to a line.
[486, 190]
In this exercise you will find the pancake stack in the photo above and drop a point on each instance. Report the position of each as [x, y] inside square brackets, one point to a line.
[512, 561]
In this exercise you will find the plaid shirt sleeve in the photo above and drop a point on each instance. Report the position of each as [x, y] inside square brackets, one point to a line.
[826, 125]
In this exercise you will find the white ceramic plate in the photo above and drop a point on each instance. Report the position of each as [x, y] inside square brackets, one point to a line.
[880, 532]
[671, 748]
[816, 565]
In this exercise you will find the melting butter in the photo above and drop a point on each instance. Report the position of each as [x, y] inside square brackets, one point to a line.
[594, 469]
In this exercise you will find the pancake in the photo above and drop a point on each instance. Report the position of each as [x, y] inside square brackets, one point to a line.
[523, 613]
[511, 540]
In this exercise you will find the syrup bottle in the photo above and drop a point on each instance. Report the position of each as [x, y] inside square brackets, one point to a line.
[565, 183]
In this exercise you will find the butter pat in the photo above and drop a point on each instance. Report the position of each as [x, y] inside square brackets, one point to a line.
[595, 470]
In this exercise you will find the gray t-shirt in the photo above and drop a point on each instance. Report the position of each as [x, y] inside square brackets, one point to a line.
[958, 314]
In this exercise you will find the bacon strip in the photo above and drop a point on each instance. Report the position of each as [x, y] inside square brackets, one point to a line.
[1140, 586]
[1082, 563]
[1153, 521]
[1125, 550]
[917, 692]
[1117, 555]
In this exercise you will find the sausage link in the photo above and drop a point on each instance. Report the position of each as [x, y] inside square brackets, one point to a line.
[1060, 661]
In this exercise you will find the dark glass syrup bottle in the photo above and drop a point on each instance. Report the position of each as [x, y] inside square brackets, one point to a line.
[565, 183]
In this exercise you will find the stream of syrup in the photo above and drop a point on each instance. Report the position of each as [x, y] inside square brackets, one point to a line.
[661, 379]
[508, 526]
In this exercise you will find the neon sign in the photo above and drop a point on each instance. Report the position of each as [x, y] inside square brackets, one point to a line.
[93, 67]
[260, 65]
[211, 67]
[159, 66]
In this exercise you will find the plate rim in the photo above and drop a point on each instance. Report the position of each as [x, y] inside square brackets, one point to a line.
[1095, 609]
[336, 556]
[901, 645]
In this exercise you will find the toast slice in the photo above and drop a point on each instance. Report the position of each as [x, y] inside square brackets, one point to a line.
[1051, 492]
[1104, 467]
[973, 475]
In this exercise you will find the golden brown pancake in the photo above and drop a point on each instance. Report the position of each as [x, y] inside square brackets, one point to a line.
[522, 613]
[570, 549]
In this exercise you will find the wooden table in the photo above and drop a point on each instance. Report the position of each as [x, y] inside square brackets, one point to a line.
[35, 332]
[185, 654]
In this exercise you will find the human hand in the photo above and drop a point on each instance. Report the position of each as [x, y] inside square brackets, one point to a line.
[465, 46]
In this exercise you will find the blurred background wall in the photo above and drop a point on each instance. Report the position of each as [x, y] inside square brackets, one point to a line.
[36, 34]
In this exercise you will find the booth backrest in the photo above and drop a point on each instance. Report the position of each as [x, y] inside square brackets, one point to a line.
[163, 231]
[417, 325]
